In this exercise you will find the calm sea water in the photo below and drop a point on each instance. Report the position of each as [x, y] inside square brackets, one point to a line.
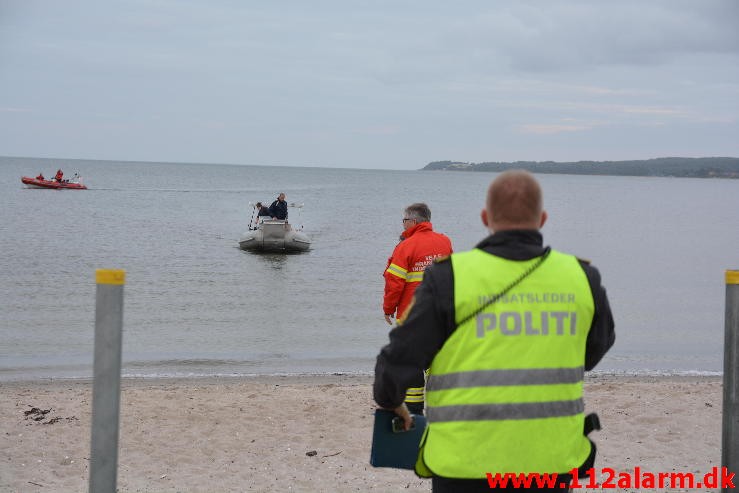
[197, 305]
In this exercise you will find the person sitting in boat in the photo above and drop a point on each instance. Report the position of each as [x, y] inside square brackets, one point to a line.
[263, 211]
[59, 175]
[40, 176]
[278, 209]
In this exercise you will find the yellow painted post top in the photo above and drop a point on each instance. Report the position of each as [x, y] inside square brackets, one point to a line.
[732, 277]
[110, 276]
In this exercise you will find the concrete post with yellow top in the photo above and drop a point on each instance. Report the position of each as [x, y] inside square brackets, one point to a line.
[730, 428]
[106, 385]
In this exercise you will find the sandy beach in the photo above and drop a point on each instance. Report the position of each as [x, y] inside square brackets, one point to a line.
[306, 434]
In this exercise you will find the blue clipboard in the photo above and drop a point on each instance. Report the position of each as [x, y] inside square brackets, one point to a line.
[397, 449]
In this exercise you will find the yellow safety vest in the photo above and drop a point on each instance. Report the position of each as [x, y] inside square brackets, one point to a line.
[504, 393]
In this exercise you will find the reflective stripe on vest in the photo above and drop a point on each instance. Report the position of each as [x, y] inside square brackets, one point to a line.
[531, 376]
[519, 410]
[504, 393]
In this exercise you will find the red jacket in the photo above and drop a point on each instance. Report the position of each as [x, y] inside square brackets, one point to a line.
[404, 271]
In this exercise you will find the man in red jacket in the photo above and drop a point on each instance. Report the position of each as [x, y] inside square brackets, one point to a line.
[418, 248]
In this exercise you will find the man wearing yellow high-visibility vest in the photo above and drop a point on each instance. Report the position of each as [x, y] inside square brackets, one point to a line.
[507, 331]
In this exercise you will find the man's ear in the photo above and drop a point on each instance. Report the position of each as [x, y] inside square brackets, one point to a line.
[484, 217]
[544, 217]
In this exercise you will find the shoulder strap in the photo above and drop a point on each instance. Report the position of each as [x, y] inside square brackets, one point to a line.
[520, 278]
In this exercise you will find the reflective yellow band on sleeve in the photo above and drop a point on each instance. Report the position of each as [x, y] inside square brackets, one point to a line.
[397, 271]
[415, 276]
[110, 276]
[732, 277]
[414, 394]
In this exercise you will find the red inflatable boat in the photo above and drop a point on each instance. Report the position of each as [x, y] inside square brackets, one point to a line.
[57, 185]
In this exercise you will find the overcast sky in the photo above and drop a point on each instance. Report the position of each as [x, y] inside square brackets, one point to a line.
[368, 84]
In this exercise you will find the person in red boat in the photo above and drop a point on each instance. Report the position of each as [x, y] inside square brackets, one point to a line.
[40, 176]
[59, 175]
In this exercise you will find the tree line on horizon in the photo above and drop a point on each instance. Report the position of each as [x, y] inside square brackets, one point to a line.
[704, 167]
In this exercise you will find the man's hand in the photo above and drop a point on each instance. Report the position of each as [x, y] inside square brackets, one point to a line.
[403, 412]
[389, 319]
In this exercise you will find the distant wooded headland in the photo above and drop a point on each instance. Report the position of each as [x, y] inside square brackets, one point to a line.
[702, 167]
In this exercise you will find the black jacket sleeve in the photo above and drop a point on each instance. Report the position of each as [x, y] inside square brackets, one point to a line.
[602, 334]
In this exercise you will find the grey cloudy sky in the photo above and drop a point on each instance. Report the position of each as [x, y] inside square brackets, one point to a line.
[368, 84]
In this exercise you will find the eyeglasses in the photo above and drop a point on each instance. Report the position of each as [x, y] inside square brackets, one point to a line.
[408, 219]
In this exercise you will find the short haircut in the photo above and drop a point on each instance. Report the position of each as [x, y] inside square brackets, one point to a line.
[418, 211]
[514, 197]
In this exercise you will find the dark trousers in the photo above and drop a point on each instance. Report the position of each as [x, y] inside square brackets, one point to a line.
[449, 485]
[415, 407]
